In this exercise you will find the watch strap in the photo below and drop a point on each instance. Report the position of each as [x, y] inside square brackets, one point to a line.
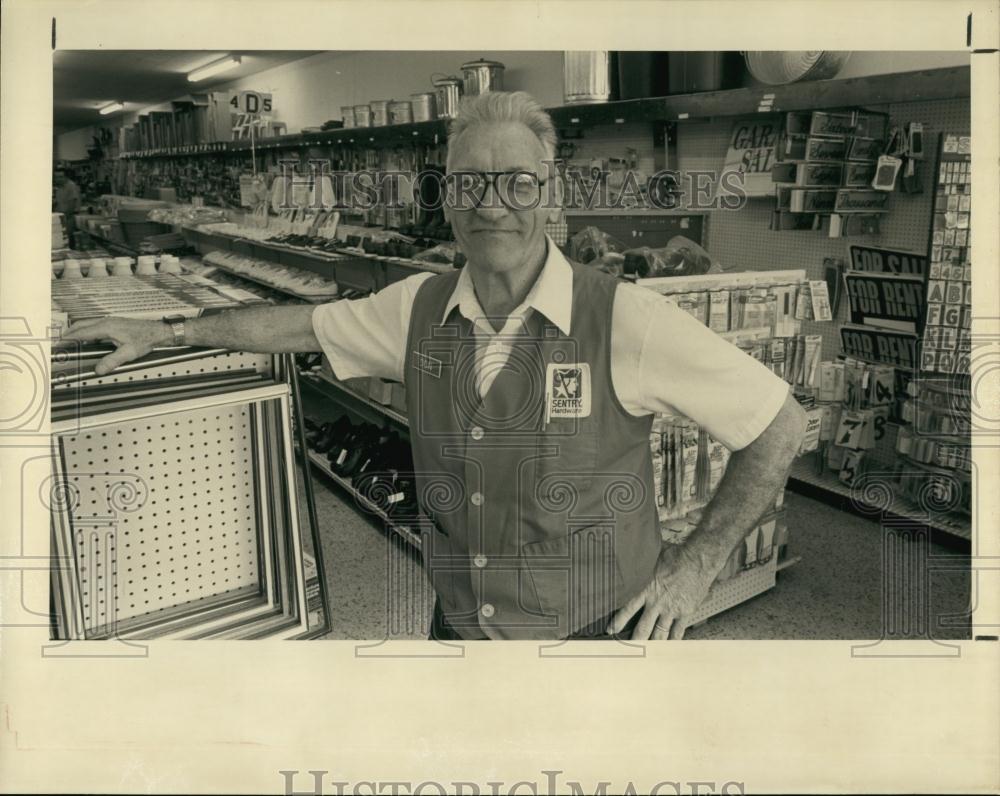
[176, 324]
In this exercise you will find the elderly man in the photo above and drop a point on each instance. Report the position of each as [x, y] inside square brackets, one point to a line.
[532, 383]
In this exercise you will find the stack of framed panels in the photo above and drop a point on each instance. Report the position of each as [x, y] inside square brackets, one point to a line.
[174, 503]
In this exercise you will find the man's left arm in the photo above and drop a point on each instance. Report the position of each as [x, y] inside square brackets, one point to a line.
[673, 364]
[684, 573]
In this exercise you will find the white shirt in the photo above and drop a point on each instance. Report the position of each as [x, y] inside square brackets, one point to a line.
[662, 359]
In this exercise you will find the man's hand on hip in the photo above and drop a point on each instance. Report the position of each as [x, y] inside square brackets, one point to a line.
[132, 338]
[678, 588]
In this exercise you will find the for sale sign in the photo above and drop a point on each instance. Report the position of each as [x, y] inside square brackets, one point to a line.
[887, 261]
[751, 153]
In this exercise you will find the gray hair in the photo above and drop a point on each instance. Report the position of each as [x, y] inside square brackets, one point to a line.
[505, 106]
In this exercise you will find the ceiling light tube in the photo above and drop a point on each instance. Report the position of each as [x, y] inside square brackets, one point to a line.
[215, 68]
[112, 108]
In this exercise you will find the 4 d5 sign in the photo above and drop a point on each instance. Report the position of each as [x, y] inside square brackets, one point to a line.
[251, 102]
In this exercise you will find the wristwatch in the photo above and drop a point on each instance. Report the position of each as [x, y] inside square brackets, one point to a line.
[176, 324]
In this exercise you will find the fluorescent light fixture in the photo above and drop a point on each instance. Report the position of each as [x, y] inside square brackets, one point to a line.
[214, 68]
[112, 108]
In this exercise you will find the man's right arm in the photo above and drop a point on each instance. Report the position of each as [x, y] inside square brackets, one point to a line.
[264, 330]
[360, 337]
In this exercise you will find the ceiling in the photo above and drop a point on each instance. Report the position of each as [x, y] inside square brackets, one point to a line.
[85, 80]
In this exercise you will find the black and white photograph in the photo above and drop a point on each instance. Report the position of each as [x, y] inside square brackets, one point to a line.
[396, 348]
[568, 344]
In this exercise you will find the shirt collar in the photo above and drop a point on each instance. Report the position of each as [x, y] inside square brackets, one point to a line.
[551, 295]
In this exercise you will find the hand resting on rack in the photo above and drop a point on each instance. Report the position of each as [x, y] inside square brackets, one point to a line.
[259, 330]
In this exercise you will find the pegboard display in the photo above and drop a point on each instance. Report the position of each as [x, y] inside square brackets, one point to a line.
[192, 531]
[728, 593]
[173, 503]
[641, 229]
[214, 364]
[742, 240]
[614, 141]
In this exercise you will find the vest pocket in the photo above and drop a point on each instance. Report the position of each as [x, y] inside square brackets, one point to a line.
[576, 577]
[565, 460]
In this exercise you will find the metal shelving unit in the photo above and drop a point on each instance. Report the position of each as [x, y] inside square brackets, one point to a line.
[947, 529]
[321, 464]
[365, 407]
[382, 409]
[916, 86]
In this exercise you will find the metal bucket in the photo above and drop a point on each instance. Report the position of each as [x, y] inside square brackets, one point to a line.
[482, 76]
[362, 116]
[400, 112]
[586, 76]
[424, 106]
[380, 112]
[448, 91]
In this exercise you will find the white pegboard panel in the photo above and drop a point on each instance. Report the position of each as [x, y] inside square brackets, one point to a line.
[219, 363]
[737, 589]
[741, 238]
[191, 532]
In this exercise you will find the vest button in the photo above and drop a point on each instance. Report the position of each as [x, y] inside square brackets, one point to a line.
[480, 561]
[477, 499]
[477, 433]
[487, 610]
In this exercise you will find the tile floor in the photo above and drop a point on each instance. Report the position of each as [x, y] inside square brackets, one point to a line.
[378, 589]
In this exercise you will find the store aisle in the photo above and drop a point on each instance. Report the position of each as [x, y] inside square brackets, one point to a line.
[378, 588]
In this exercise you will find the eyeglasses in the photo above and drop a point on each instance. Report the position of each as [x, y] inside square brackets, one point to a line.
[513, 190]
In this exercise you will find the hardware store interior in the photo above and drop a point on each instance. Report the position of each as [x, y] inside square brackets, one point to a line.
[262, 495]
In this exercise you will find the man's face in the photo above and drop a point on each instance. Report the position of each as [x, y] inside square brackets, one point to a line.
[494, 236]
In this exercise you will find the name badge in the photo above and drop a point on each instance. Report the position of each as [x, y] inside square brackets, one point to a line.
[567, 390]
[426, 364]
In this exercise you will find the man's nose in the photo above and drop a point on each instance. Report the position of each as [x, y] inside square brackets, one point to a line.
[491, 206]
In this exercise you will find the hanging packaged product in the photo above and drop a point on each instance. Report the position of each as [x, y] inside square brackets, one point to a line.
[718, 311]
[831, 381]
[814, 424]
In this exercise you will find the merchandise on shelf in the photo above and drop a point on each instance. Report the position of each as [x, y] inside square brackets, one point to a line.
[187, 215]
[304, 284]
[946, 335]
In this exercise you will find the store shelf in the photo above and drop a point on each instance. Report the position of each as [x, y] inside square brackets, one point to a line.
[114, 246]
[323, 466]
[361, 405]
[916, 86]
[388, 411]
[946, 529]
[630, 212]
[432, 132]
[270, 285]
